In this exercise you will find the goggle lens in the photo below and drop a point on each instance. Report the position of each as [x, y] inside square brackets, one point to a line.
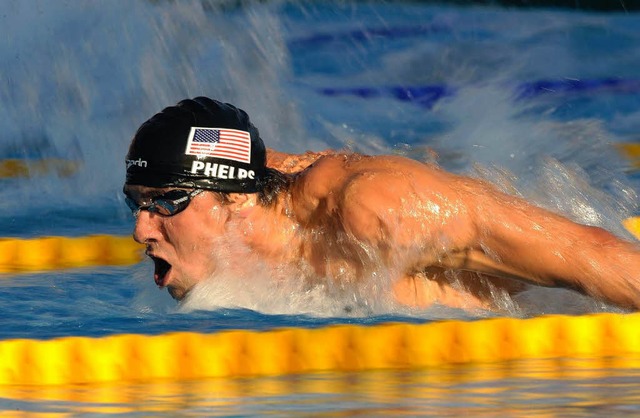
[167, 204]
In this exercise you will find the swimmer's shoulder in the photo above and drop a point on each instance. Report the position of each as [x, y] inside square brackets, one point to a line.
[293, 163]
[330, 175]
[332, 160]
[319, 179]
[360, 188]
[360, 191]
[335, 170]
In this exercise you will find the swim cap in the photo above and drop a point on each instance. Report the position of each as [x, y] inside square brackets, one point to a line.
[200, 143]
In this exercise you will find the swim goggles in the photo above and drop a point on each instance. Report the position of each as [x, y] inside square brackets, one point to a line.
[167, 204]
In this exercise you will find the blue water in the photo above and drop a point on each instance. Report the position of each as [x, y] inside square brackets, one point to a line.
[531, 99]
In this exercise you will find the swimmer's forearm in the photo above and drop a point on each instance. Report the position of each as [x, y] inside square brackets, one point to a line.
[477, 261]
[554, 251]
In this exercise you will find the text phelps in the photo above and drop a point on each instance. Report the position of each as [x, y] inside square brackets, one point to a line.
[221, 171]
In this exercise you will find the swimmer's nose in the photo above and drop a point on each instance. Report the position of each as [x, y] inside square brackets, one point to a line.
[147, 227]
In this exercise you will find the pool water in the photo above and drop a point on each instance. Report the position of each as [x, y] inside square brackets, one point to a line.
[533, 100]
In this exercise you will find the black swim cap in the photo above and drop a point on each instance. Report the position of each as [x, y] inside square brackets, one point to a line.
[200, 143]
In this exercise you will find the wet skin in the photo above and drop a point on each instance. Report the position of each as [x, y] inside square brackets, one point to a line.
[347, 215]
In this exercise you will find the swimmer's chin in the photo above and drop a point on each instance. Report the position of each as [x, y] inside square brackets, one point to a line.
[178, 293]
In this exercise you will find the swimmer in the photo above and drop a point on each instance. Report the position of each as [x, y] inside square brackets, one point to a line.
[199, 178]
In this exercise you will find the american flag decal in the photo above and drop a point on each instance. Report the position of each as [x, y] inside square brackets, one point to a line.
[230, 144]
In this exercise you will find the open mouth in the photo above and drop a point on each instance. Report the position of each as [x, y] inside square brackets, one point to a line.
[162, 268]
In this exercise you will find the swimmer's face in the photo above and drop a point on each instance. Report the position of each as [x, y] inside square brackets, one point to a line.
[181, 246]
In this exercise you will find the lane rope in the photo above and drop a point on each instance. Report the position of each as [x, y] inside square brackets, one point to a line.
[188, 355]
[631, 151]
[14, 168]
[53, 253]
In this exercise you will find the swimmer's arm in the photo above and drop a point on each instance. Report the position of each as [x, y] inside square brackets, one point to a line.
[478, 228]
[550, 250]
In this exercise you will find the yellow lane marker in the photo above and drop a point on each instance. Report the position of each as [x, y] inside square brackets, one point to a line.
[11, 168]
[51, 253]
[188, 355]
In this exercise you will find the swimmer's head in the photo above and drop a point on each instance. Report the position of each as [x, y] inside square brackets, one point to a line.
[200, 143]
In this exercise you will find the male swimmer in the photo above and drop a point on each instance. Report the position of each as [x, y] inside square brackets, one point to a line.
[199, 177]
